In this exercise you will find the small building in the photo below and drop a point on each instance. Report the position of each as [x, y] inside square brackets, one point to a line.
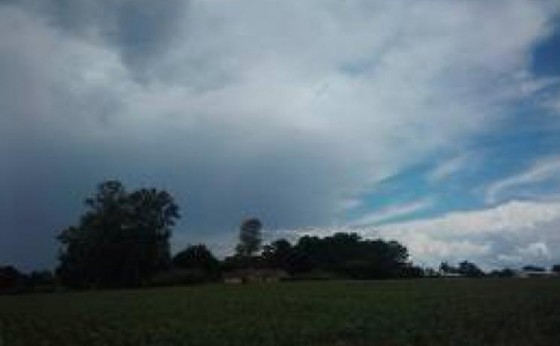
[534, 274]
[233, 280]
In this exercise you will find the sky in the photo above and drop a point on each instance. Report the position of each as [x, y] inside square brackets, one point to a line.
[432, 122]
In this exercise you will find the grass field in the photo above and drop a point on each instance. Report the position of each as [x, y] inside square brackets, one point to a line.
[425, 312]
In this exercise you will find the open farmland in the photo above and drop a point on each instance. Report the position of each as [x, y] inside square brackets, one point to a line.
[424, 312]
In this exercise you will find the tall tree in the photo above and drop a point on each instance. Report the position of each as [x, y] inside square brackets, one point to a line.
[121, 240]
[250, 237]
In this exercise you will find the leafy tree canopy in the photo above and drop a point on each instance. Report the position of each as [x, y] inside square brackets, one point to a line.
[469, 269]
[343, 253]
[121, 239]
[533, 268]
[250, 237]
[196, 257]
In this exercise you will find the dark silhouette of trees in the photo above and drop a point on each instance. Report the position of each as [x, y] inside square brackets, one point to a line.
[193, 265]
[121, 240]
[250, 242]
[465, 269]
[11, 279]
[555, 268]
[446, 268]
[502, 273]
[533, 268]
[279, 254]
[470, 270]
[197, 257]
[411, 271]
[41, 279]
[343, 254]
[250, 237]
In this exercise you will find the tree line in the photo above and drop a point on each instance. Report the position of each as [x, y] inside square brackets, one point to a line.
[122, 240]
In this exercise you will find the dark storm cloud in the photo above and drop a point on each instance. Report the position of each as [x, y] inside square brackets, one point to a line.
[139, 29]
[215, 191]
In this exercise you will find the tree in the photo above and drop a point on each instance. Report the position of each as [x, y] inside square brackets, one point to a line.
[197, 257]
[556, 268]
[279, 255]
[250, 237]
[470, 270]
[412, 271]
[533, 268]
[347, 255]
[503, 273]
[343, 255]
[446, 268]
[11, 279]
[430, 272]
[41, 279]
[121, 240]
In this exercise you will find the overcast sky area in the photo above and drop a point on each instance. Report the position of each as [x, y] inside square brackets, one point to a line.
[432, 122]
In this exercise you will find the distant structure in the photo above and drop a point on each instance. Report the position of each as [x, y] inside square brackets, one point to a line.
[523, 274]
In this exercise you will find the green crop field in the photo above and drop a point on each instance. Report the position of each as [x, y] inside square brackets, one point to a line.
[425, 312]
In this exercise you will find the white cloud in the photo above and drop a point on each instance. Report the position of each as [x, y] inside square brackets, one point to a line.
[503, 235]
[543, 170]
[431, 251]
[448, 168]
[487, 236]
[510, 217]
[534, 250]
[350, 203]
[392, 212]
